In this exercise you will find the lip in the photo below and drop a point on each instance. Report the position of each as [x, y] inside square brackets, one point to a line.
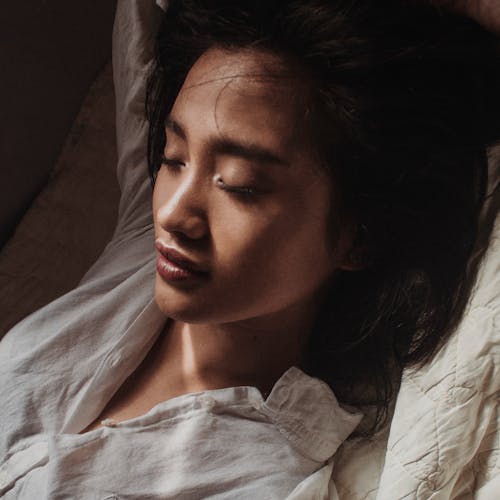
[173, 274]
[177, 259]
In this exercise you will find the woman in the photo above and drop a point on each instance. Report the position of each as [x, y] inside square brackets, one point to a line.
[315, 204]
[349, 110]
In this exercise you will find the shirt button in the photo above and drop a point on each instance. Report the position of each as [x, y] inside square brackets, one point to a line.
[109, 422]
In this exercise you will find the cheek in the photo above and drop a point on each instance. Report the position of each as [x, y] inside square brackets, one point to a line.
[277, 249]
[244, 241]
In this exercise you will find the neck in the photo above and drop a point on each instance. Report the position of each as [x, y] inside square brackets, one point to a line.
[253, 352]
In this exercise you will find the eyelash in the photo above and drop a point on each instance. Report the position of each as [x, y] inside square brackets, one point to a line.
[241, 191]
[171, 164]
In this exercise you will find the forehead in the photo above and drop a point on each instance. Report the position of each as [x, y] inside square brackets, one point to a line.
[253, 93]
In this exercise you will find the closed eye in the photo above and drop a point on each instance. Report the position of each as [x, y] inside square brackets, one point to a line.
[170, 162]
[243, 191]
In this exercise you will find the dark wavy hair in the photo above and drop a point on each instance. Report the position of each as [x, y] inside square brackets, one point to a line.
[404, 104]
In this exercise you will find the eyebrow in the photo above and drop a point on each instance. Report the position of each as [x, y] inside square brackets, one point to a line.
[230, 147]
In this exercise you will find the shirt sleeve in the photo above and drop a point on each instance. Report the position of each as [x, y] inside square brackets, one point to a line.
[135, 27]
[134, 30]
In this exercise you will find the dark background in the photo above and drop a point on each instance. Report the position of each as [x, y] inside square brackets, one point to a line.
[50, 53]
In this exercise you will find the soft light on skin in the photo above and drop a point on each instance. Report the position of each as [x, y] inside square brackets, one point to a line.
[268, 255]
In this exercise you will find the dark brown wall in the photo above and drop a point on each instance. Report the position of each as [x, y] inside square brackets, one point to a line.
[50, 52]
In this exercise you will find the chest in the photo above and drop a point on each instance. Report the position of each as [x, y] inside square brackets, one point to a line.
[147, 386]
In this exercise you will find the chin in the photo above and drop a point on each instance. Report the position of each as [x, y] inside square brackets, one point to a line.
[178, 312]
[183, 308]
[176, 302]
[192, 306]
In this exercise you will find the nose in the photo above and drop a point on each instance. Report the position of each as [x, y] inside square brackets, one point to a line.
[182, 208]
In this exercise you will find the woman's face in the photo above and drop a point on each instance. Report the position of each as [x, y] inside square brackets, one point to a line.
[239, 196]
